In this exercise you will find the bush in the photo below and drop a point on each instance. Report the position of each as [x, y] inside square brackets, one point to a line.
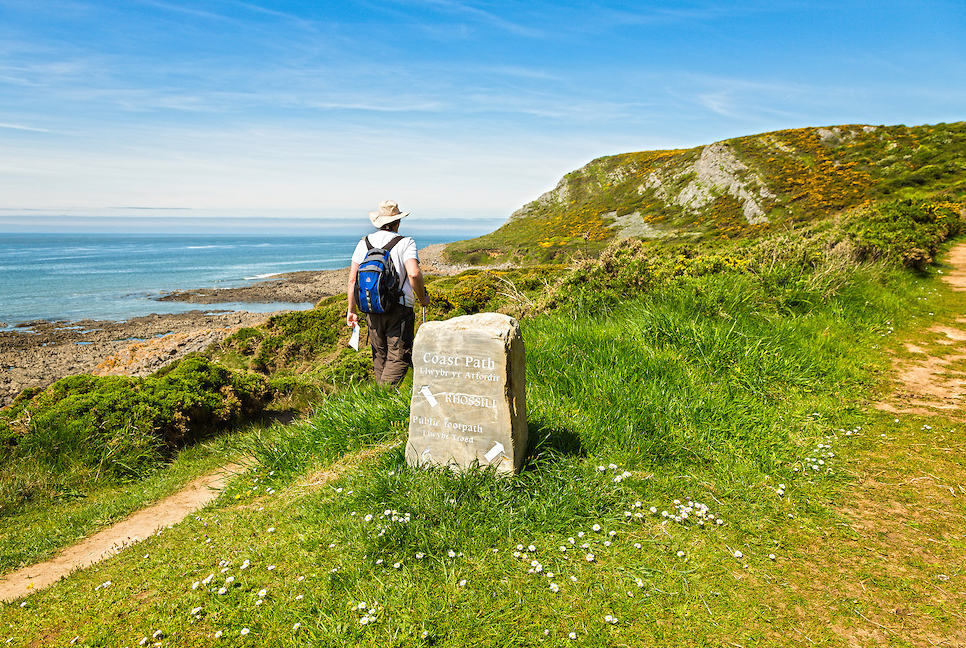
[471, 294]
[350, 366]
[909, 232]
[245, 341]
[475, 291]
[292, 338]
[196, 396]
[88, 428]
[625, 268]
[631, 267]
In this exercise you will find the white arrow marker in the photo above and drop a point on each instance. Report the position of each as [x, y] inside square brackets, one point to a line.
[494, 452]
[429, 395]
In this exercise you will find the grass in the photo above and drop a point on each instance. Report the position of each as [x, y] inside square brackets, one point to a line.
[36, 530]
[716, 390]
[87, 433]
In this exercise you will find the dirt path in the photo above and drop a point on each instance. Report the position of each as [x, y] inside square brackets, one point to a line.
[898, 555]
[932, 374]
[110, 541]
[957, 277]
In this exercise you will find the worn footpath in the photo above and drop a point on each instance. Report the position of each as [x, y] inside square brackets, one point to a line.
[893, 570]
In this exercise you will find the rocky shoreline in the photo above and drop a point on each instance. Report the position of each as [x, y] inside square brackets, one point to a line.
[295, 287]
[301, 287]
[48, 351]
[37, 354]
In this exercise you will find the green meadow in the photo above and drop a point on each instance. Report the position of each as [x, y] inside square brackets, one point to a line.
[698, 419]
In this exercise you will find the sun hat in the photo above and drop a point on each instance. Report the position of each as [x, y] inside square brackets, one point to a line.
[388, 212]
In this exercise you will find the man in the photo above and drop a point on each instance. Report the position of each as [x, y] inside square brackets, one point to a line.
[390, 334]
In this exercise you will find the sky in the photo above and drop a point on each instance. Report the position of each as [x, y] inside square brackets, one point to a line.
[281, 110]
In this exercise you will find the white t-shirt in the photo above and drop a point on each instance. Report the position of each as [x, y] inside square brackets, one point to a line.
[399, 254]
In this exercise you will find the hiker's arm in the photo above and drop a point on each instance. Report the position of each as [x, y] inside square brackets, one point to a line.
[416, 281]
[351, 317]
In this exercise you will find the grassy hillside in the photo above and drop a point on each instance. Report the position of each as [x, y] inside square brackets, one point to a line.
[690, 441]
[77, 448]
[736, 188]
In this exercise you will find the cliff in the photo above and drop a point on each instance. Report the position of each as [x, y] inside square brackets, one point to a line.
[734, 188]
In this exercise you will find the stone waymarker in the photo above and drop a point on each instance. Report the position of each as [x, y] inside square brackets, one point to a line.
[469, 399]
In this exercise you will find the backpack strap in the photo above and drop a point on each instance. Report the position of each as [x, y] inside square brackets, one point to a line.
[392, 243]
[399, 283]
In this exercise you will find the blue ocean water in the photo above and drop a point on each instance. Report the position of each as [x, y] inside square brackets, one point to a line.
[117, 276]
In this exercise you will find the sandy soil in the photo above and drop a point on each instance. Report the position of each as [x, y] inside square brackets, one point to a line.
[956, 278]
[932, 377]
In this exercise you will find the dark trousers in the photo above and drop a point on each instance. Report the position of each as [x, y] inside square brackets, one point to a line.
[391, 337]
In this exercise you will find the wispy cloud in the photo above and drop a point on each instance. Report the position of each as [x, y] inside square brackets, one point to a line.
[522, 72]
[744, 99]
[393, 104]
[234, 13]
[21, 127]
[191, 11]
[647, 15]
[46, 69]
[709, 11]
[257, 102]
[454, 7]
[288, 17]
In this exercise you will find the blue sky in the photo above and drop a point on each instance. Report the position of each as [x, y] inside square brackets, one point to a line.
[456, 108]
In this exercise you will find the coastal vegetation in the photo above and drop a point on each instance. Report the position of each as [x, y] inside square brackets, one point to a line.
[733, 393]
[739, 188]
[84, 430]
[696, 406]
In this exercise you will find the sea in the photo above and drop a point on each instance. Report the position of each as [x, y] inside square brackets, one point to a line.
[72, 277]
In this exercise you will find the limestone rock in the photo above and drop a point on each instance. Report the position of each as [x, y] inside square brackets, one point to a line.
[469, 394]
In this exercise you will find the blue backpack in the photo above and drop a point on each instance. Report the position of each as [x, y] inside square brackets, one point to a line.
[377, 283]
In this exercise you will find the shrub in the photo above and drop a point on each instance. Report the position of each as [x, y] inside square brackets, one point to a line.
[292, 338]
[474, 291]
[90, 428]
[245, 341]
[471, 294]
[196, 396]
[624, 268]
[350, 366]
[909, 232]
